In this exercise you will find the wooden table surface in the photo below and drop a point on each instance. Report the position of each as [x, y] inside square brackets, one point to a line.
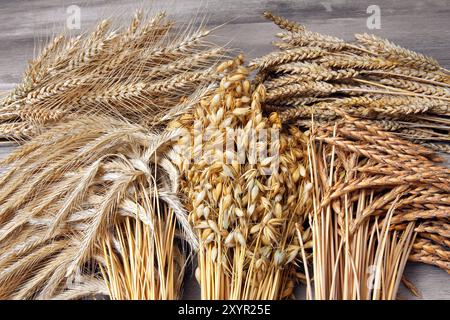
[422, 26]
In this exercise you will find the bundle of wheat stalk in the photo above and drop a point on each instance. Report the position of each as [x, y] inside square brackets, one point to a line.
[377, 199]
[89, 195]
[244, 206]
[147, 265]
[372, 78]
[141, 73]
[92, 194]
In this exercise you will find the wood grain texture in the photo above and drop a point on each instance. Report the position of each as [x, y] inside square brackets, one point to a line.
[419, 25]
